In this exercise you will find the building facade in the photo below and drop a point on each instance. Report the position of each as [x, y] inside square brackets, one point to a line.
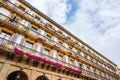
[34, 47]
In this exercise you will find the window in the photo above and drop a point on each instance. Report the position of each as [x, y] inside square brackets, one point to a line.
[32, 14]
[48, 38]
[102, 74]
[21, 9]
[91, 69]
[97, 72]
[70, 63]
[44, 20]
[26, 24]
[60, 59]
[88, 57]
[80, 45]
[77, 64]
[82, 54]
[106, 75]
[55, 39]
[38, 48]
[85, 66]
[28, 47]
[19, 39]
[33, 31]
[28, 11]
[41, 32]
[86, 48]
[46, 52]
[15, 3]
[65, 45]
[54, 54]
[94, 60]
[3, 38]
[75, 51]
[55, 28]
[4, 35]
[14, 20]
[66, 59]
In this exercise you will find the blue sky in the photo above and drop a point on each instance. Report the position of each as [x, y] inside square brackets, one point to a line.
[97, 22]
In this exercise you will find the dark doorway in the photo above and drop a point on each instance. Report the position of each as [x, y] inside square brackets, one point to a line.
[42, 78]
[17, 75]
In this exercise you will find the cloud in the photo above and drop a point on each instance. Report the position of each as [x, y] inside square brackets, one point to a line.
[55, 9]
[97, 23]
[94, 21]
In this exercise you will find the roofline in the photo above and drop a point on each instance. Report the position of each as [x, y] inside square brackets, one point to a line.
[59, 26]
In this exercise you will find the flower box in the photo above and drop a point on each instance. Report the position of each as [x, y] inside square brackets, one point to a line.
[18, 52]
[56, 46]
[58, 65]
[73, 70]
[5, 0]
[77, 57]
[41, 39]
[29, 56]
[50, 62]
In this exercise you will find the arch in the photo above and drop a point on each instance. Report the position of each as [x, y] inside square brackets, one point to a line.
[42, 78]
[17, 75]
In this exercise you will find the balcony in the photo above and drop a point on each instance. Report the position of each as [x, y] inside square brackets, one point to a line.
[23, 51]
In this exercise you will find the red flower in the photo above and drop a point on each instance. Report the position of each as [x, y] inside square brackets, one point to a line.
[41, 39]
[55, 45]
[18, 52]
[29, 56]
[77, 56]
[5, 0]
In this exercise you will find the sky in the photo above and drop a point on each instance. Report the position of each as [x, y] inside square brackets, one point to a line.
[96, 22]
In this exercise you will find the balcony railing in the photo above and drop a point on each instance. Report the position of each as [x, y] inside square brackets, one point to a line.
[4, 18]
[10, 45]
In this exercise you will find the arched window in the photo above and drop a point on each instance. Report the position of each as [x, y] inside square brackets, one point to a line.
[17, 75]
